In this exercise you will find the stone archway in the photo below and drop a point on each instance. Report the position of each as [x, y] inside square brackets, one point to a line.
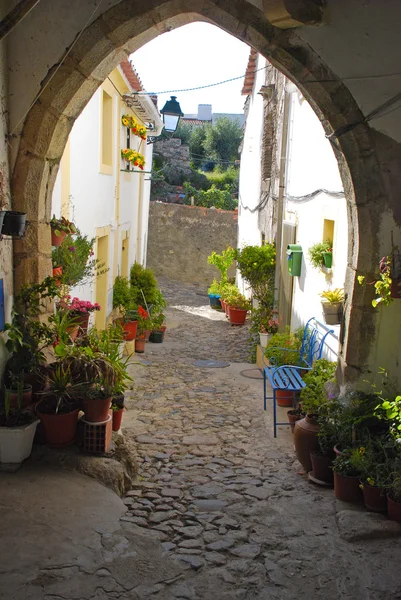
[123, 29]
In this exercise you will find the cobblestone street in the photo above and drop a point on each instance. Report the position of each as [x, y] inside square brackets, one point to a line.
[223, 497]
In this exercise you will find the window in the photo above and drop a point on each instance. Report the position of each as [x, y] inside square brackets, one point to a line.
[107, 129]
[328, 230]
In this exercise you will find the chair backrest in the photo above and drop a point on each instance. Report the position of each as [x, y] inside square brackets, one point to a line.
[313, 340]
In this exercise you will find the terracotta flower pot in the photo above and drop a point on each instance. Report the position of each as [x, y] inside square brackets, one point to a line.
[337, 451]
[394, 509]
[82, 321]
[284, 398]
[96, 409]
[223, 305]
[293, 417]
[60, 430]
[130, 329]
[140, 345]
[117, 418]
[57, 240]
[347, 488]
[305, 440]
[73, 333]
[57, 273]
[373, 498]
[321, 468]
[147, 333]
[237, 316]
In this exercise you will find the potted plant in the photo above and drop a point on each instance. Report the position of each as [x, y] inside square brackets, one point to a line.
[156, 335]
[267, 329]
[59, 229]
[143, 323]
[312, 399]
[333, 305]
[75, 256]
[394, 494]
[283, 349]
[27, 339]
[134, 157]
[226, 290]
[320, 254]
[117, 416]
[222, 262]
[59, 408]
[238, 308]
[347, 471]
[214, 294]
[17, 431]
[79, 310]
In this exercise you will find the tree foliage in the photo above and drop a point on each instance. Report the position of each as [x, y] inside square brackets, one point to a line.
[223, 139]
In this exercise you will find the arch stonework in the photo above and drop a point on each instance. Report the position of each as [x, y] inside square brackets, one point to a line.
[123, 29]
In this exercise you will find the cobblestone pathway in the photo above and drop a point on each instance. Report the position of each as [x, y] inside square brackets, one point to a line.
[223, 497]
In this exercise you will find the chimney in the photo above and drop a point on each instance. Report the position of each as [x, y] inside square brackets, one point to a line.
[205, 112]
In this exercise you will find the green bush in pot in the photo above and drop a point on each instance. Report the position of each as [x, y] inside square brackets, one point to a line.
[283, 348]
[312, 395]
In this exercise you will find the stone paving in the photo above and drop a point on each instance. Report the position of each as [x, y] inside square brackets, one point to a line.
[223, 497]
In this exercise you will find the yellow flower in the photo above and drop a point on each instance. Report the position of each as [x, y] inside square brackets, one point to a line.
[362, 450]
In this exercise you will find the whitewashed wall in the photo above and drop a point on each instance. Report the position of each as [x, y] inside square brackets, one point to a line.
[250, 171]
[311, 166]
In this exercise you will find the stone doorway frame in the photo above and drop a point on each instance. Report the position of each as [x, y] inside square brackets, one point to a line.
[123, 29]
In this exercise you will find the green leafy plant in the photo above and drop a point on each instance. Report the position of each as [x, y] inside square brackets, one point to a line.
[237, 300]
[143, 285]
[213, 197]
[61, 393]
[122, 293]
[257, 266]
[383, 284]
[350, 462]
[333, 296]
[222, 262]
[27, 335]
[62, 224]
[75, 256]
[214, 288]
[317, 251]
[283, 348]
[227, 289]
[390, 410]
[312, 395]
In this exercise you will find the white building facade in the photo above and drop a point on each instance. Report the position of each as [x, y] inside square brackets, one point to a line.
[290, 191]
[107, 198]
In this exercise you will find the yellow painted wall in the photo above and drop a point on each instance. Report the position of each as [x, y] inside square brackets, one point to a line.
[102, 254]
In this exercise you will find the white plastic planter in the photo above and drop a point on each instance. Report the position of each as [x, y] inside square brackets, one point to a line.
[16, 443]
[264, 339]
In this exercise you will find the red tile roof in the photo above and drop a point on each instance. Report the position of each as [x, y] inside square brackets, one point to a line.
[250, 73]
[131, 75]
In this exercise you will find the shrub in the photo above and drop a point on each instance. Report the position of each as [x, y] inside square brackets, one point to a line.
[316, 253]
[74, 256]
[121, 293]
[143, 284]
[312, 395]
[222, 262]
[283, 348]
[212, 197]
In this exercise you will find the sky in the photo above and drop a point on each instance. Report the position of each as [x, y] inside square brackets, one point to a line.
[194, 55]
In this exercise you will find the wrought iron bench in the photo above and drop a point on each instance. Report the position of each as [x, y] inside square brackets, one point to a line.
[289, 377]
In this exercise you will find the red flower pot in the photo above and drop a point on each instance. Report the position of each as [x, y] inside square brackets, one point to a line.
[73, 333]
[305, 440]
[284, 398]
[117, 418]
[337, 451]
[227, 309]
[223, 304]
[57, 240]
[140, 345]
[394, 509]
[60, 429]
[163, 330]
[373, 498]
[321, 468]
[293, 417]
[57, 273]
[347, 488]
[237, 316]
[96, 409]
[130, 330]
[82, 321]
[147, 333]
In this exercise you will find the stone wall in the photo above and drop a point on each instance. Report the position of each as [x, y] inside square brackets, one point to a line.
[182, 237]
[174, 152]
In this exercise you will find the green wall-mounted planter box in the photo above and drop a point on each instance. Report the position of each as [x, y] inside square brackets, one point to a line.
[294, 259]
[328, 259]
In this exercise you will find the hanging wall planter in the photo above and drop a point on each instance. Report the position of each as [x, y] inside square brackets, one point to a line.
[328, 259]
[14, 223]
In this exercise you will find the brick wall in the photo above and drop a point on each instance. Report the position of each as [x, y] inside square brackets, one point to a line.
[181, 238]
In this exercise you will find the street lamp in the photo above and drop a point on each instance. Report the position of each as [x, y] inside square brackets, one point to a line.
[171, 112]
